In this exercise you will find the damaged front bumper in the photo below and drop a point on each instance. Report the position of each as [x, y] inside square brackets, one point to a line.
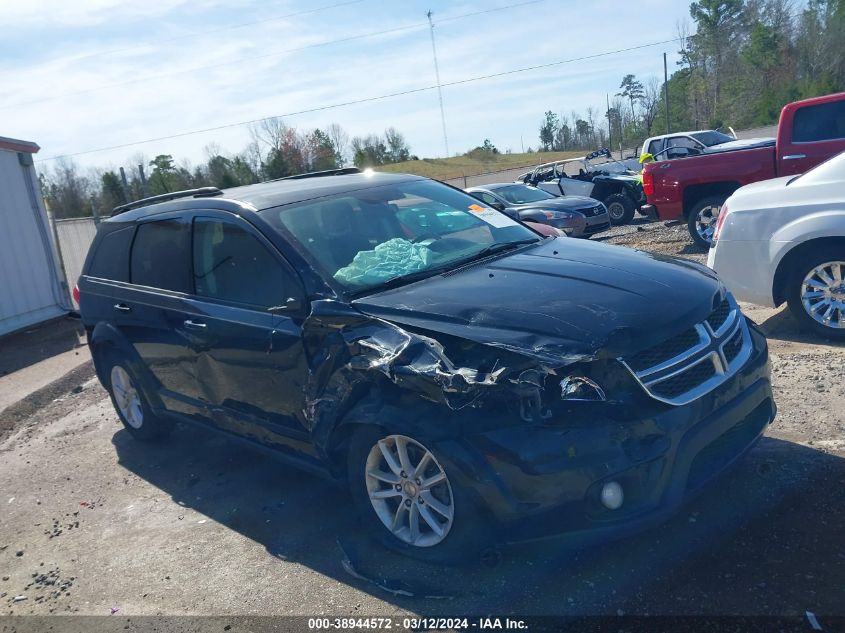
[545, 479]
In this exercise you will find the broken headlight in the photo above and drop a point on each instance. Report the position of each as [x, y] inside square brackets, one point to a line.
[581, 389]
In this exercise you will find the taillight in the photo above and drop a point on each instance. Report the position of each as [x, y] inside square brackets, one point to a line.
[648, 182]
[75, 294]
[723, 213]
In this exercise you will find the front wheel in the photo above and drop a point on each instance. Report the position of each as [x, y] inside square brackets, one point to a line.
[702, 220]
[407, 499]
[620, 208]
[816, 292]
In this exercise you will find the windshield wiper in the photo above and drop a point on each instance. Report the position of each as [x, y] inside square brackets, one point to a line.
[497, 248]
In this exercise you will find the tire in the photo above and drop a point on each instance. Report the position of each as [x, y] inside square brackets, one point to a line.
[463, 536]
[702, 219]
[620, 208]
[805, 278]
[132, 406]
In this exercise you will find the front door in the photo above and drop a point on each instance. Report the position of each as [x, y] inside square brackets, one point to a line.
[250, 360]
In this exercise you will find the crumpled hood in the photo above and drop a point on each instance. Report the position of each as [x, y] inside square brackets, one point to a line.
[559, 302]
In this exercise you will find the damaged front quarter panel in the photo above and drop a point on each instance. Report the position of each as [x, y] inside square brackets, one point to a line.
[357, 360]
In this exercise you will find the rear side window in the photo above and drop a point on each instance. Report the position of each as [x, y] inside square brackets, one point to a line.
[654, 146]
[233, 265]
[160, 256]
[110, 259]
[823, 122]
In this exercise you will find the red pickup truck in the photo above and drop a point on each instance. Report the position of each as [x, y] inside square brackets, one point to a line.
[696, 187]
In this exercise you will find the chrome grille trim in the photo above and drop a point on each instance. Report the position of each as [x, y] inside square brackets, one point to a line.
[709, 349]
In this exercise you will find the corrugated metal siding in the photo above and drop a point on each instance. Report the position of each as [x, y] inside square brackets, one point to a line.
[75, 237]
[28, 291]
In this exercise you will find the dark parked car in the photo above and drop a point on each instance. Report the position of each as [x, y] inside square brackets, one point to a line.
[576, 216]
[466, 377]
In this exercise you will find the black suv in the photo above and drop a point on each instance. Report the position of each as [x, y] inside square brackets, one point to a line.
[456, 369]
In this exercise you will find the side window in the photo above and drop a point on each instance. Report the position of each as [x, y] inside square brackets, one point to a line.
[823, 122]
[160, 256]
[231, 264]
[110, 260]
[485, 197]
[655, 146]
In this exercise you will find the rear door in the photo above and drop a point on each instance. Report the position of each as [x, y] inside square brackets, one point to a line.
[247, 310]
[813, 134]
[151, 309]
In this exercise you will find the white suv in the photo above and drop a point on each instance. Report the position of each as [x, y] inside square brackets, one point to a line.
[784, 240]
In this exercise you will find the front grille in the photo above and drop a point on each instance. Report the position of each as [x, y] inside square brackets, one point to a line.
[733, 347]
[686, 380]
[593, 211]
[718, 317]
[665, 350]
[696, 361]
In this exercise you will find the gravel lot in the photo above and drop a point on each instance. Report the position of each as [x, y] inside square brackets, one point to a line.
[91, 521]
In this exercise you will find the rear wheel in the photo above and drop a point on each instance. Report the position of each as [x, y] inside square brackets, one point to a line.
[620, 208]
[702, 220]
[407, 499]
[132, 407]
[816, 292]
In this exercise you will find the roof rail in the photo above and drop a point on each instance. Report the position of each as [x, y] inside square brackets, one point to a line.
[328, 172]
[202, 192]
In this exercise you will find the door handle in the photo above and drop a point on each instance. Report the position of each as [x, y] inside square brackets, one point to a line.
[122, 307]
[795, 157]
[194, 325]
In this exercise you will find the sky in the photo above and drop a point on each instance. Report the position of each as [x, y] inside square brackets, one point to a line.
[91, 74]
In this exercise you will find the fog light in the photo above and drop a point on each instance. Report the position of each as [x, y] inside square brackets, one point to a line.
[612, 496]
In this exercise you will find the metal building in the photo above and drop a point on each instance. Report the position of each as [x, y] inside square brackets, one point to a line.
[32, 287]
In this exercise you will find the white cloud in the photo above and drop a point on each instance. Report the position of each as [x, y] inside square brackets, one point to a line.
[180, 98]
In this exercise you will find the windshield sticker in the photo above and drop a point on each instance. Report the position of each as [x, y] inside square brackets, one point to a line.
[491, 216]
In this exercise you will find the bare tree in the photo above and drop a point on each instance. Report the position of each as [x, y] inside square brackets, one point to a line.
[650, 101]
[340, 140]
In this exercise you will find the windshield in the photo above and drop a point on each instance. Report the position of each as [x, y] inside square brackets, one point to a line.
[367, 238]
[832, 170]
[711, 138]
[522, 194]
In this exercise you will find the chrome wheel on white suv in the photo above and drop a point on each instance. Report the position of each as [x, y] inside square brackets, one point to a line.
[823, 294]
[409, 491]
[816, 291]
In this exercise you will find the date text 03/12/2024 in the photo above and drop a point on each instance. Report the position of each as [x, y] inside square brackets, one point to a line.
[416, 623]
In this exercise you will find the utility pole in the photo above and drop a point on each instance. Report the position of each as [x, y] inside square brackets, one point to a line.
[437, 75]
[666, 92]
[144, 190]
[125, 184]
[609, 123]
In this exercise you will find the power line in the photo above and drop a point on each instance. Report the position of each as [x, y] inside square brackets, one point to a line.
[230, 27]
[194, 69]
[332, 106]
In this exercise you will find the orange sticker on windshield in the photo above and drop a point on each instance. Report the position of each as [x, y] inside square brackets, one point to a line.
[476, 208]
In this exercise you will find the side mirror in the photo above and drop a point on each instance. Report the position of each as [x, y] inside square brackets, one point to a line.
[291, 304]
[511, 213]
[497, 205]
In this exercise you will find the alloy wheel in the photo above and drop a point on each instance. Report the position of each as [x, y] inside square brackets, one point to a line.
[409, 491]
[823, 294]
[127, 398]
[705, 223]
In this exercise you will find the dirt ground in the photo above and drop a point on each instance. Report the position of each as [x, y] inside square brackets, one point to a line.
[94, 523]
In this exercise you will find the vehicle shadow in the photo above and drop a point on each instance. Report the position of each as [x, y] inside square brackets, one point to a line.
[765, 539]
[30, 346]
[783, 326]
